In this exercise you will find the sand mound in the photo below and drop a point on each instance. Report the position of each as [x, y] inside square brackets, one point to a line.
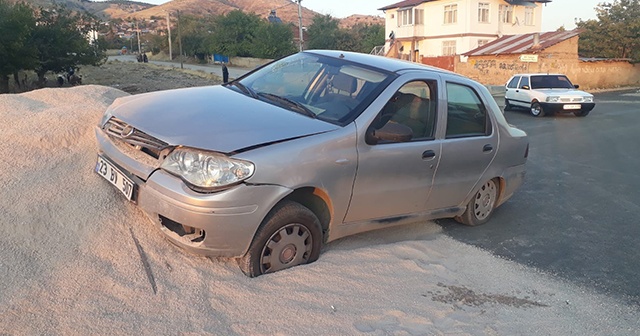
[76, 258]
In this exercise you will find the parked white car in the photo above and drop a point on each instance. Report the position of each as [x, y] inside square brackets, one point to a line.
[547, 94]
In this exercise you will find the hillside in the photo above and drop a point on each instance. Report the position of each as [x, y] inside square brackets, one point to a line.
[126, 10]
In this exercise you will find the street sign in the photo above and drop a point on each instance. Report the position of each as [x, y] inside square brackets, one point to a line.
[529, 58]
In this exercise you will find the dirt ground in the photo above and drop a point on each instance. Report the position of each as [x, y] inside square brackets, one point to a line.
[130, 77]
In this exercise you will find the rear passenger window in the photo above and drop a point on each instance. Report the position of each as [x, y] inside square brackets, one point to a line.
[513, 83]
[466, 114]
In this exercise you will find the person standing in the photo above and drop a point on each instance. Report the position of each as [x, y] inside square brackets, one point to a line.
[225, 73]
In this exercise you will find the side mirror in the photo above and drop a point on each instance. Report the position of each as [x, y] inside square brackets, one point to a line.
[525, 87]
[391, 132]
[576, 86]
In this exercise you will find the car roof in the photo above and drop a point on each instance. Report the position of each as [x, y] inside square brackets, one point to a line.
[539, 74]
[381, 62]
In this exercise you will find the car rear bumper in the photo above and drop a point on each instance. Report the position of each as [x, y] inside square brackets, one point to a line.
[220, 224]
[513, 178]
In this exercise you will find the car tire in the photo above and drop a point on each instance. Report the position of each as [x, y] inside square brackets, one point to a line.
[581, 113]
[481, 206]
[289, 236]
[507, 105]
[536, 110]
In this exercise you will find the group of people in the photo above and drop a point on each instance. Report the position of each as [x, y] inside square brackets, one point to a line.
[142, 58]
[70, 76]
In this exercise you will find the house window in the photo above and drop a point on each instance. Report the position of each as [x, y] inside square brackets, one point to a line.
[405, 17]
[528, 16]
[419, 16]
[482, 42]
[483, 12]
[506, 13]
[450, 14]
[448, 48]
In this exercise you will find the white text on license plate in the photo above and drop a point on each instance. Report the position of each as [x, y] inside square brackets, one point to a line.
[105, 169]
[572, 107]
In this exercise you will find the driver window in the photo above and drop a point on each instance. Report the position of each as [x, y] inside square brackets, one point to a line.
[525, 81]
[414, 106]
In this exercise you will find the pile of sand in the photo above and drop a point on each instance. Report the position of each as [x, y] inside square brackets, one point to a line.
[76, 258]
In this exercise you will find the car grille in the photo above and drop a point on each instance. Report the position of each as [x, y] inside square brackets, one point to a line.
[571, 100]
[141, 141]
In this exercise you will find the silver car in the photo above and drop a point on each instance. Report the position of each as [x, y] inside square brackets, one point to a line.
[309, 149]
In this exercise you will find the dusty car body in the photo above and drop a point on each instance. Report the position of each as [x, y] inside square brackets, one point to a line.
[308, 149]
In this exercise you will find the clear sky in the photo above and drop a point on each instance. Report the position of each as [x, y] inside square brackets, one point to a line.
[555, 14]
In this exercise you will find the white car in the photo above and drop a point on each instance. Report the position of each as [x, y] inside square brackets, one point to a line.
[547, 94]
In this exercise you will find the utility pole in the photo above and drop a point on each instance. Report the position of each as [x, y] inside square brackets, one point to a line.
[180, 40]
[138, 30]
[169, 32]
[300, 25]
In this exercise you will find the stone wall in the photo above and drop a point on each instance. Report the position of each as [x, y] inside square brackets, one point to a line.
[561, 58]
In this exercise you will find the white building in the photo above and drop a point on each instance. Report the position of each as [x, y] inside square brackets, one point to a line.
[429, 28]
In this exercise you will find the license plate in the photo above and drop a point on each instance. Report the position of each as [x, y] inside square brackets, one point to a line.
[110, 173]
[572, 107]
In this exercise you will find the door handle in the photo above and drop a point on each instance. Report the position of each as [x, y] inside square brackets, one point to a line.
[517, 90]
[487, 148]
[428, 154]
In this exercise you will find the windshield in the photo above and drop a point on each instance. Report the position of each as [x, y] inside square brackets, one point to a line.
[551, 82]
[326, 88]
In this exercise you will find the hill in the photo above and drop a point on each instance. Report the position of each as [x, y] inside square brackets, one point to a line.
[286, 10]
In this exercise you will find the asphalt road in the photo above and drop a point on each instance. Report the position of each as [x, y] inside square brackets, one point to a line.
[578, 213]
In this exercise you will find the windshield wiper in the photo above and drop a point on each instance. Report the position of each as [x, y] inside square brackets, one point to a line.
[292, 103]
[244, 88]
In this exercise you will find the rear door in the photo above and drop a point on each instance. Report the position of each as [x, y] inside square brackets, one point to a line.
[469, 146]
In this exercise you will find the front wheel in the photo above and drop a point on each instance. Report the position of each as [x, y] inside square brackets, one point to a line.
[581, 113]
[290, 235]
[507, 105]
[536, 110]
[481, 206]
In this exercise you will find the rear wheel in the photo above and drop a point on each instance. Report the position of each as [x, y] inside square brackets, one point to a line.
[481, 206]
[290, 235]
[536, 110]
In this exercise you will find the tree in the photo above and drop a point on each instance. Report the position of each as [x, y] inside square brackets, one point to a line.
[323, 33]
[16, 24]
[61, 38]
[273, 40]
[615, 33]
[233, 34]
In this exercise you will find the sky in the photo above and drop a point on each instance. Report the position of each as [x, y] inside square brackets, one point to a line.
[555, 14]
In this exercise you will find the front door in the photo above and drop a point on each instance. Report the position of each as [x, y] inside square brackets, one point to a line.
[394, 178]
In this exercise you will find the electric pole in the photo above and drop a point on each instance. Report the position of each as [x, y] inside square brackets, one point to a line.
[180, 40]
[300, 25]
[138, 30]
[169, 32]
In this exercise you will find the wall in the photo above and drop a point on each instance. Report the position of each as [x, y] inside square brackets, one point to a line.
[248, 62]
[561, 58]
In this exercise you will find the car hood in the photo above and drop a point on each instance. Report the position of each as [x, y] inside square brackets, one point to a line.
[213, 118]
[564, 92]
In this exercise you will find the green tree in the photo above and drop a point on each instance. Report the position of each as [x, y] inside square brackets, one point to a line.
[194, 35]
[61, 38]
[324, 33]
[614, 33]
[233, 34]
[273, 40]
[16, 52]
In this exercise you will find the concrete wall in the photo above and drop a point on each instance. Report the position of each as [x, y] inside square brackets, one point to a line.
[248, 62]
[561, 58]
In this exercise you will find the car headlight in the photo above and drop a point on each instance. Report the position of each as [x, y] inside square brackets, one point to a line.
[553, 99]
[588, 99]
[206, 171]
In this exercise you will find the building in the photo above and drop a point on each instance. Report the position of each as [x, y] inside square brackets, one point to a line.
[431, 28]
